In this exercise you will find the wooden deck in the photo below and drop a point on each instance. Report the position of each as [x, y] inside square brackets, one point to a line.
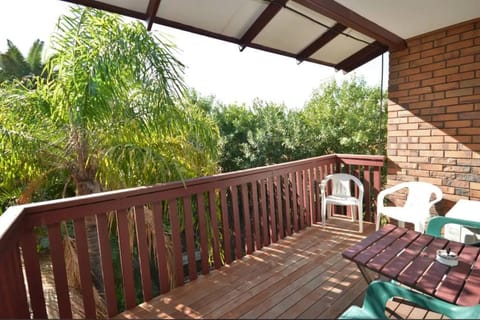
[303, 276]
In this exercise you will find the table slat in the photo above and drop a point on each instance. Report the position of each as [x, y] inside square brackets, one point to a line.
[390, 252]
[370, 252]
[394, 267]
[356, 249]
[453, 283]
[413, 272]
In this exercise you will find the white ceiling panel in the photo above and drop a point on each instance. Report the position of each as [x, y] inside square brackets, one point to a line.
[289, 32]
[137, 5]
[340, 48]
[227, 17]
[409, 18]
[310, 13]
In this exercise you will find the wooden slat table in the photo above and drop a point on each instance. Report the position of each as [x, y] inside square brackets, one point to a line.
[409, 257]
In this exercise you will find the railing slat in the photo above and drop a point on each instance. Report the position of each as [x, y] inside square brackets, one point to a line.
[367, 200]
[288, 209]
[59, 270]
[161, 251]
[256, 217]
[84, 267]
[212, 206]
[264, 213]
[107, 267]
[246, 219]
[278, 196]
[176, 240]
[126, 258]
[226, 227]
[236, 223]
[376, 185]
[33, 273]
[189, 238]
[301, 200]
[12, 289]
[271, 210]
[311, 193]
[202, 227]
[143, 255]
[293, 178]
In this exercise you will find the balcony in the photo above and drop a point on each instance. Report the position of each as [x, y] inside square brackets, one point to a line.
[232, 245]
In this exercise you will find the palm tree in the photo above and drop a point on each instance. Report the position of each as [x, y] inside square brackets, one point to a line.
[13, 65]
[108, 115]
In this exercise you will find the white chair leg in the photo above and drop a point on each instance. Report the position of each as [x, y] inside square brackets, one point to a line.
[352, 212]
[360, 219]
[377, 222]
[324, 209]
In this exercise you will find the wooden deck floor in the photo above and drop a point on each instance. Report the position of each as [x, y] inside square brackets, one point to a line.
[303, 276]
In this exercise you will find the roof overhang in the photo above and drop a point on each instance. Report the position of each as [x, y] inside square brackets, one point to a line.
[343, 34]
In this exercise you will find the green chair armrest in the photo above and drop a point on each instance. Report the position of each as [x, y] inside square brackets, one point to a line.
[436, 224]
[380, 292]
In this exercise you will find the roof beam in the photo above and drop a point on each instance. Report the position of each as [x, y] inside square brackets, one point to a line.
[152, 12]
[107, 7]
[360, 57]
[351, 19]
[265, 17]
[321, 41]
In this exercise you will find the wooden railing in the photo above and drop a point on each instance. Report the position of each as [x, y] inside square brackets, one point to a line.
[154, 238]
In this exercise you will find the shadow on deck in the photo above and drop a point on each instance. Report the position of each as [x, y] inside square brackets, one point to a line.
[302, 276]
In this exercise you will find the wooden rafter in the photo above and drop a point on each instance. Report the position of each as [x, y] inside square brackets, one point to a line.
[364, 55]
[152, 12]
[265, 17]
[321, 41]
[351, 19]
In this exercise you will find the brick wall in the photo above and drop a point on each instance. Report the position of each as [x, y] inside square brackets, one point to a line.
[434, 113]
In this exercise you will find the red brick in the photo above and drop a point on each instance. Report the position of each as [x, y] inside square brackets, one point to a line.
[446, 71]
[409, 85]
[398, 93]
[470, 83]
[470, 51]
[445, 102]
[458, 124]
[460, 45]
[434, 96]
[421, 47]
[399, 67]
[433, 66]
[469, 131]
[431, 167]
[409, 72]
[469, 115]
[421, 62]
[420, 105]
[459, 92]
[460, 108]
[470, 34]
[460, 29]
[418, 173]
[445, 86]
[460, 61]
[419, 133]
[418, 159]
[434, 36]
[458, 154]
[419, 146]
[408, 126]
[436, 139]
[409, 153]
[408, 99]
[446, 56]
[470, 99]
[445, 117]
[437, 182]
[397, 120]
[433, 81]
[447, 40]
[422, 76]
[421, 90]
[470, 67]
[408, 58]
[432, 52]
[432, 111]
[464, 139]
[461, 76]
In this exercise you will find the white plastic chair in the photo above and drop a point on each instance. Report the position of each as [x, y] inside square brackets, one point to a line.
[342, 195]
[416, 209]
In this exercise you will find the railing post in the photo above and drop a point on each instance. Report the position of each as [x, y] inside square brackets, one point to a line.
[13, 295]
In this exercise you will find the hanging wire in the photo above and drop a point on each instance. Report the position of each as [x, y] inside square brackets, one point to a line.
[380, 112]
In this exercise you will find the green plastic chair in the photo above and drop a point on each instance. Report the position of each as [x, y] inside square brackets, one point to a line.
[380, 292]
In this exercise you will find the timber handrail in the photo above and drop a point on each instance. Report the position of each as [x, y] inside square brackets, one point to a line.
[179, 228]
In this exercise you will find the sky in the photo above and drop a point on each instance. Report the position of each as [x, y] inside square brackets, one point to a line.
[213, 67]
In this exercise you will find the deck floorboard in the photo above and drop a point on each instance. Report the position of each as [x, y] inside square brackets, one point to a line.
[301, 276]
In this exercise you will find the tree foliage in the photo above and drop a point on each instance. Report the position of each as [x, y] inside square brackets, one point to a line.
[13, 65]
[110, 114]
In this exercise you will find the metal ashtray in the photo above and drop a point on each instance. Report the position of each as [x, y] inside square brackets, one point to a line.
[447, 257]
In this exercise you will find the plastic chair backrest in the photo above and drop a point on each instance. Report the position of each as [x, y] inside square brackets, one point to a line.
[420, 194]
[341, 184]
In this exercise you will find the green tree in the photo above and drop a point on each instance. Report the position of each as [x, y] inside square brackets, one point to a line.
[109, 115]
[13, 65]
[345, 118]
